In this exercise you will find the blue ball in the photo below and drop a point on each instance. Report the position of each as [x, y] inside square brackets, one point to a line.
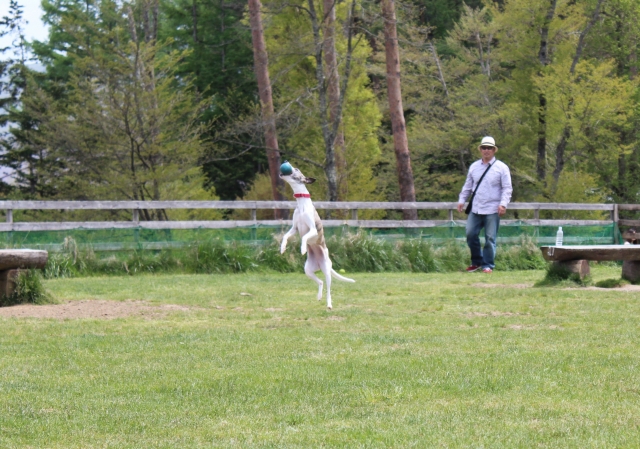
[286, 169]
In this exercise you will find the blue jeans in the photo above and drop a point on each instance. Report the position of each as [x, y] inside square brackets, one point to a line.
[484, 258]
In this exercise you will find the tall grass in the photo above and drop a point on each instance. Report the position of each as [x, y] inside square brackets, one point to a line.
[359, 252]
[523, 256]
[362, 252]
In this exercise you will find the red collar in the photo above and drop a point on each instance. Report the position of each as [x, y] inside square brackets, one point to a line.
[301, 195]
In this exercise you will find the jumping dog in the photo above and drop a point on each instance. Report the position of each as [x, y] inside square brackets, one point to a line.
[307, 222]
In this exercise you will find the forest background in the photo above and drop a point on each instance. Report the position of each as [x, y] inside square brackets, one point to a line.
[158, 99]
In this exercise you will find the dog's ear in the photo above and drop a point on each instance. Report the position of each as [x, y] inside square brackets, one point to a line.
[309, 180]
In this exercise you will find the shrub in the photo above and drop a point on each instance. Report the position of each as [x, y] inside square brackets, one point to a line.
[453, 256]
[269, 257]
[524, 256]
[29, 290]
[420, 254]
[216, 256]
[361, 252]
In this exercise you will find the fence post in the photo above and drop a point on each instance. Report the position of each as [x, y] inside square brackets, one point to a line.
[9, 215]
[135, 217]
[354, 214]
[450, 214]
[615, 216]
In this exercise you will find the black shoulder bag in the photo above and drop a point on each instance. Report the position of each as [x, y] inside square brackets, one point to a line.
[468, 209]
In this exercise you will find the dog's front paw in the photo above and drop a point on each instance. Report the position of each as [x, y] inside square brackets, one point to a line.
[282, 249]
[303, 250]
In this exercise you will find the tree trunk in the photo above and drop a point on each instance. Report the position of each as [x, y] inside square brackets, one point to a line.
[633, 61]
[543, 57]
[330, 129]
[560, 149]
[541, 160]
[333, 91]
[261, 62]
[394, 92]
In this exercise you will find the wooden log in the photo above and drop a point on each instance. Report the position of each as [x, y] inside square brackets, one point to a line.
[631, 271]
[593, 252]
[22, 258]
[8, 282]
[580, 267]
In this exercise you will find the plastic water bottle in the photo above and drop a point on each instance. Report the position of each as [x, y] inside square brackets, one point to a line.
[559, 236]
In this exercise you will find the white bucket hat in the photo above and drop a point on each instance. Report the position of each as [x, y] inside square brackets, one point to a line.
[488, 141]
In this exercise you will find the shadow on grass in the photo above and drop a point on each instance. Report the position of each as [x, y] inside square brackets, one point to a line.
[612, 283]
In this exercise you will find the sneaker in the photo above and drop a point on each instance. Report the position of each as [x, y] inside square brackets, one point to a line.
[472, 268]
[487, 270]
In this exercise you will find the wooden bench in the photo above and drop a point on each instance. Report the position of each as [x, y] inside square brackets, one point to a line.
[14, 260]
[576, 258]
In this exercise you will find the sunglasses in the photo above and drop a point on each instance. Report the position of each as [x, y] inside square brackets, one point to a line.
[487, 148]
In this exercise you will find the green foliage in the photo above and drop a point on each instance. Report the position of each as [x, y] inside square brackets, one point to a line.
[453, 256]
[523, 256]
[269, 257]
[359, 252]
[220, 62]
[420, 254]
[468, 69]
[362, 252]
[292, 67]
[216, 256]
[29, 290]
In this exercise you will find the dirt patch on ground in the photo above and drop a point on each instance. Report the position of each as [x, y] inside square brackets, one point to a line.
[95, 309]
[494, 313]
[526, 327]
[481, 285]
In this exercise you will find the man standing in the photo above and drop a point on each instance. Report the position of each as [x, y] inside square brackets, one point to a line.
[490, 181]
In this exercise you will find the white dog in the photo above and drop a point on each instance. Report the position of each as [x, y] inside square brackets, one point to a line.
[307, 222]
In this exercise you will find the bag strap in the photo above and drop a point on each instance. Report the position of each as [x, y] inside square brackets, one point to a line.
[481, 178]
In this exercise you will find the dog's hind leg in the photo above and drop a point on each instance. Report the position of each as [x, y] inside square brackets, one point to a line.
[310, 268]
[326, 267]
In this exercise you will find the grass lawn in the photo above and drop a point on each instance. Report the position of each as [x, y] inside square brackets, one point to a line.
[404, 360]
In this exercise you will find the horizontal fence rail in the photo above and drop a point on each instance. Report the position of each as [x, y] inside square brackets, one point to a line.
[351, 206]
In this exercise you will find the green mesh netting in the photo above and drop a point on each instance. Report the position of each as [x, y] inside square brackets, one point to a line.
[122, 239]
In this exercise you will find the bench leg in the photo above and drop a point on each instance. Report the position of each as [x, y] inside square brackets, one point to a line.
[580, 267]
[8, 281]
[631, 271]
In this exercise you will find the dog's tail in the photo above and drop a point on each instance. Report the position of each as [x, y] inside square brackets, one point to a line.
[340, 277]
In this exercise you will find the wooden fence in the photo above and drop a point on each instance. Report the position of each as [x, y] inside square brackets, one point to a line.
[352, 208]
